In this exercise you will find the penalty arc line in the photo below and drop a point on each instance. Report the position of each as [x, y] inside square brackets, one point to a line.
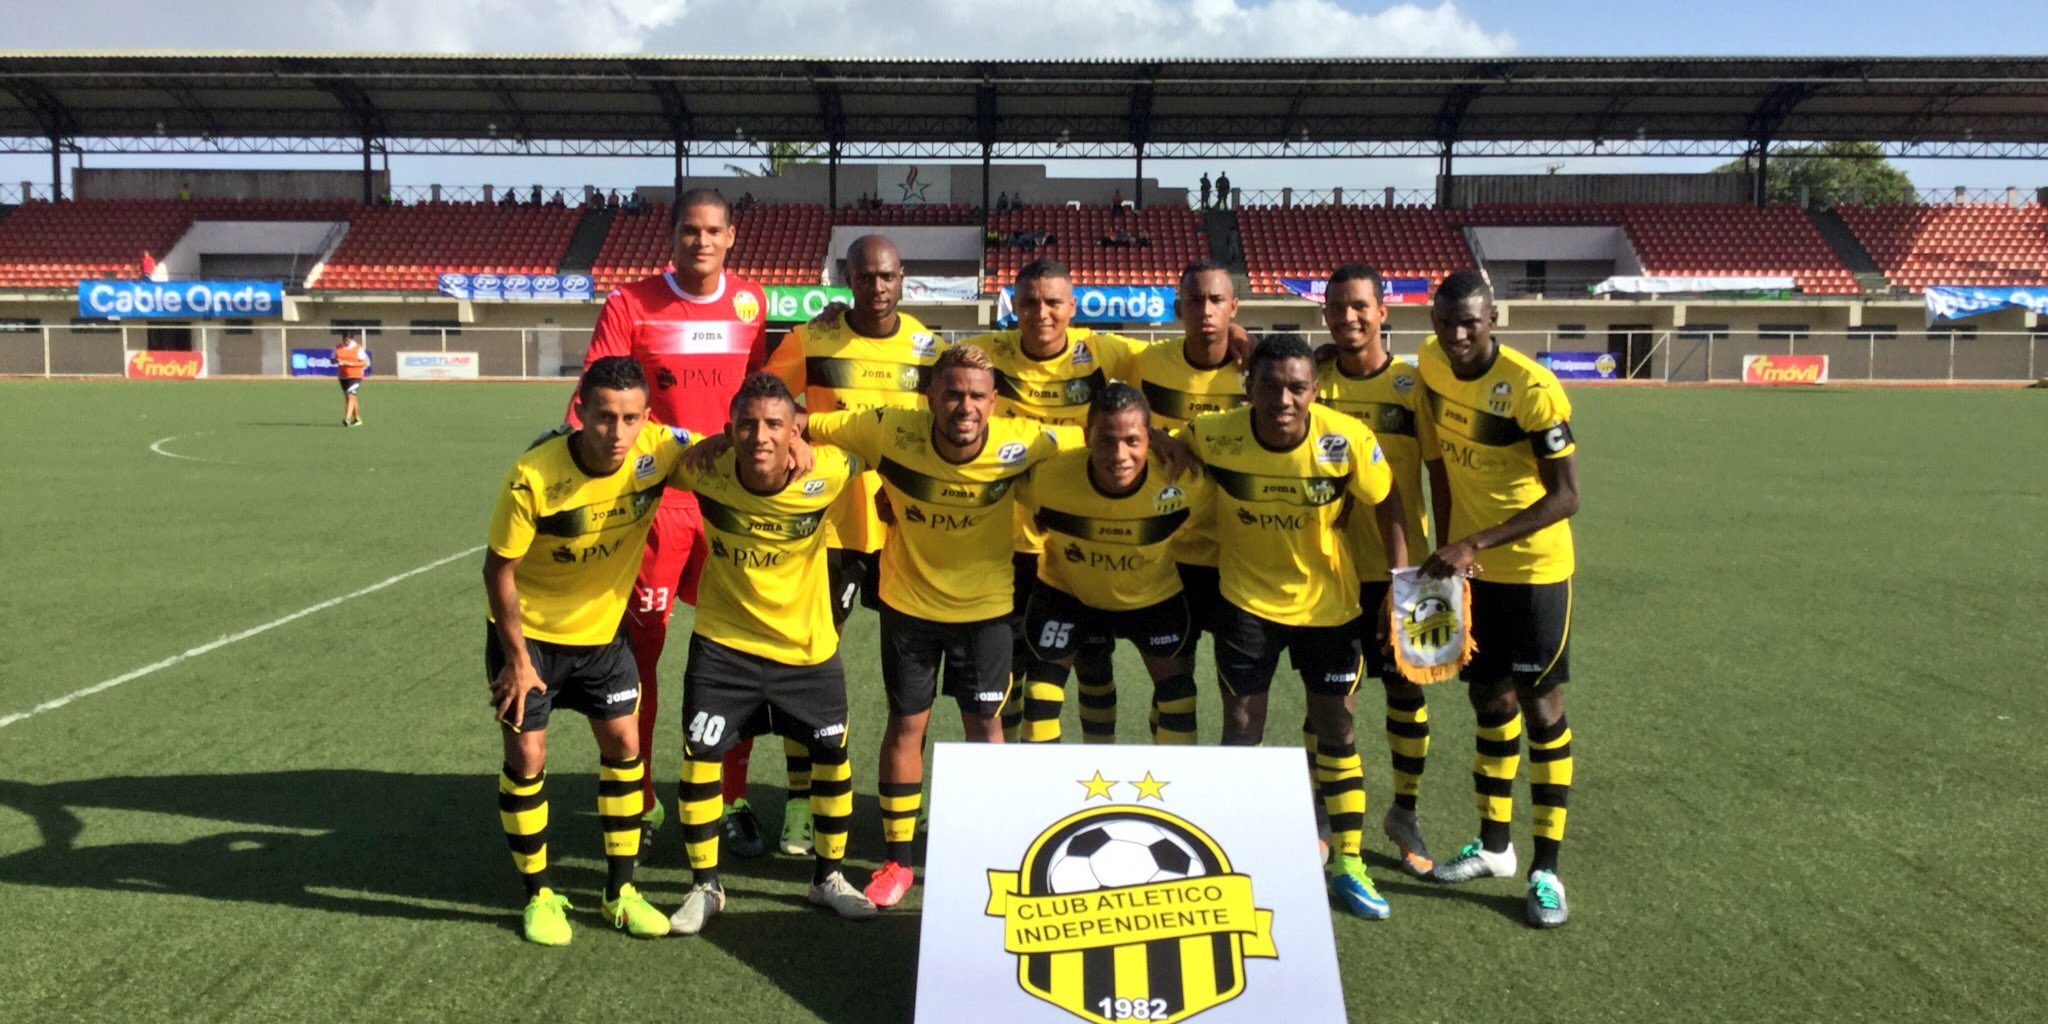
[232, 638]
[154, 446]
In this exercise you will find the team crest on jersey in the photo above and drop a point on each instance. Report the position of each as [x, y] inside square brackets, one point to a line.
[1010, 453]
[746, 307]
[1138, 891]
[908, 378]
[643, 467]
[813, 488]
[560, 489]
[1082, 357]
[1078, 392]
[1074, 553]
[1500, 402]
[1333, 448]
[1168, 497]
[1403, 383]
[922, 345]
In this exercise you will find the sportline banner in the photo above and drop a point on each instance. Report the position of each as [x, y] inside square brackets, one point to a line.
[1784, 369]
[183, 300]
[1123, 883]
[517, 287]
[1581, 365]
[161, 365]
[1948, 302]
[796, 303]
[1398, 291]
[941, 289]
[1147, 304]
[437, 365]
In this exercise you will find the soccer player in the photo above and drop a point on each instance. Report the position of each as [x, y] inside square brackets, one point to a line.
[1047, 371]
[1285, 469]
[948, 471]
[1499, 441]
[1370, 383]
[696, 331]
[587, 498]
[351, 362]
[871, 356]
[1181, 381]
[1110, 513]
[763, 655]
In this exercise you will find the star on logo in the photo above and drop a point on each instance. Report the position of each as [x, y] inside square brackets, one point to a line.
[1149, 786]
[1097, 786]
[914, 189]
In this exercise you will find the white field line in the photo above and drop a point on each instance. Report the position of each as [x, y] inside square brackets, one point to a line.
[156, 446]
[232, 638]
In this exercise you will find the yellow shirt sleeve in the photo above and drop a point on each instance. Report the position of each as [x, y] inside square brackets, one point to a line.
[1067, 435]
[787, 362]
[1122, 363]
[1546, 414]
[1371, 478]
[857, 432]
[512, 519]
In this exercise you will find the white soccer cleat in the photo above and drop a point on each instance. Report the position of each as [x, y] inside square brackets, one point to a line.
[839, 896]
[1476, 861]
[703, 903]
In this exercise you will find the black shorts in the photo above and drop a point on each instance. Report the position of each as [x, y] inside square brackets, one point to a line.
[854, 574]
[1378, 663]
[729, 695]
[1202, 586]
[1522, 631]
[350, 384]
[1057, 626]
[975, 657]
[1248, 651]
[600, 682]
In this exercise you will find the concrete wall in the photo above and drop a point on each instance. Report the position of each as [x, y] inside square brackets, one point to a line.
[306, 239]
[213, 183]
[941, 183]
[1467, 190]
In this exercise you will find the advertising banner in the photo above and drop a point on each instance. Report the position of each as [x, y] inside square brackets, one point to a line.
[1396, 291]
[1581, 365]
[941, 289]
[1948, 302]
[1147, 304]
[437, 365]
[796, 303]
[1784, 369]
[161, 365]
[180, 300]
[1639, 285]
[517, 287]
[319, 362]
[1123, 883]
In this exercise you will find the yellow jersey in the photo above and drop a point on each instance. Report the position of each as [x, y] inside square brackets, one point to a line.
[1490, 432]
[839, 369]
[1282, 555]
[1178, 391]
[1112, 552]
[764, 589]
[592, 527]
[947, 559]
[1389, 401]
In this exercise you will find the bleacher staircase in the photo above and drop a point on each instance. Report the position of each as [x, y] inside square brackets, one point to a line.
[1850, 251]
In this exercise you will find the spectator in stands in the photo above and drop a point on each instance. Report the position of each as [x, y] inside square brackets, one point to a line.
[1017, 201]
[1206, 190]
[1002, 200]
[636, 204]
[613, 201]
[559, 201]
[148, 264]
[385, 198]
[185, 191]
[748, 202]
[1141, 240]
[1116, 202]
[510, 197]
[1223, 191]
[536, 195]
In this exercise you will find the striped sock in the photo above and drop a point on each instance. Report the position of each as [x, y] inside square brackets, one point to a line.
[702, 810]
[831, 808]
[1173, 711]
[1408, 743]
[1550, 789]
[618, 815]
[1343, 788]
[1494, 763]
[523, 813]
[900, 801]
[1045, 692]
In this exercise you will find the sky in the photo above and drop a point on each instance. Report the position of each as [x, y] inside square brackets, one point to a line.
[1038, 28]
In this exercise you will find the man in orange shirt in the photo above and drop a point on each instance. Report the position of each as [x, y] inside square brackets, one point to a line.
[351, 362]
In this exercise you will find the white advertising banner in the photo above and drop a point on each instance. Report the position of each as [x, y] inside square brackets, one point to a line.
[437, 365]
[1124, 883]
[941, 289]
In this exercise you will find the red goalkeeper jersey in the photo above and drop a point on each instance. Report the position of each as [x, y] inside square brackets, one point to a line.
[693, 348]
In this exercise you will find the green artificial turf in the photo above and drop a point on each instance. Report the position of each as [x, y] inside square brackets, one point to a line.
[1809, 675]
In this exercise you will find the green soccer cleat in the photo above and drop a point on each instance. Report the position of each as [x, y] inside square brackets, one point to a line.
[547, 919]
[1546, 907]
[634, 915]
[703, 903]
[796, 828]
[1354, 892]
[741, 831]
[650, 823]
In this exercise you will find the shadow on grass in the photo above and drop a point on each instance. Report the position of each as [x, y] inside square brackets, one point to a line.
[1398, 885]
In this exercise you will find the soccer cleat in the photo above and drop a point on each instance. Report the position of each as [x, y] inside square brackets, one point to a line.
[547, 918]
[702, 904]
[796, 828]
[1401, 827]
[1546, 907]
[889, 884]
[742, 831]
[1475, 861]
[1354, 892]
[1323, 840]
[839, 896]
[650, 823]
[635, 915]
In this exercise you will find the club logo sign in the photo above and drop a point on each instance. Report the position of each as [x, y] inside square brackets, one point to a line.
[1127, 912]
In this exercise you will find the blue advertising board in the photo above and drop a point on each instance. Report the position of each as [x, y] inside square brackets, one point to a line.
[1581, 365]
[319, 362]
[181, 300]
[1147, 304]
[517, 287]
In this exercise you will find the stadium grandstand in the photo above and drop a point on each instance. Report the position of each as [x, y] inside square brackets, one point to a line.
[942, 154]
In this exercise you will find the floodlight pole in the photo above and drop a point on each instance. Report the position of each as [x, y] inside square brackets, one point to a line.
[1761, 181]
[1138, 181]
[56, 169]
[369, 175]
[832, 177]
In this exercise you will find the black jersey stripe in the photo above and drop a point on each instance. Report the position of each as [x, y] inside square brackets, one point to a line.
[597, 517]
[1136, 532]
[943, 492]
[1475, 425]
[1311, 492]
[759, 524]
[865, 374]
[1186, 405]
[1075, 391]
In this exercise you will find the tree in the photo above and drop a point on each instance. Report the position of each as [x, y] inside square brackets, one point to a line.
[780, 156]
[1831, 173]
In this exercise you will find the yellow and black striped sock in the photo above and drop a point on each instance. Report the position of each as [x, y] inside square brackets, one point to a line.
[701, 807]
[1095, 685]
[831, 808]
[796, 757]
[618, 814]
[900, 801]
[1343, 786]
[1494, 763]
[1045, 692]
[1408, 743]
[1550, 789]
[1173, 711]
[523, 812]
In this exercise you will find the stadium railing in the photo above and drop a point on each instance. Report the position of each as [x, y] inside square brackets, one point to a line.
[541, 353]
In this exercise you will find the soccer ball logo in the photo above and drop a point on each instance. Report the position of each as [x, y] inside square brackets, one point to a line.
[1120, 852]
